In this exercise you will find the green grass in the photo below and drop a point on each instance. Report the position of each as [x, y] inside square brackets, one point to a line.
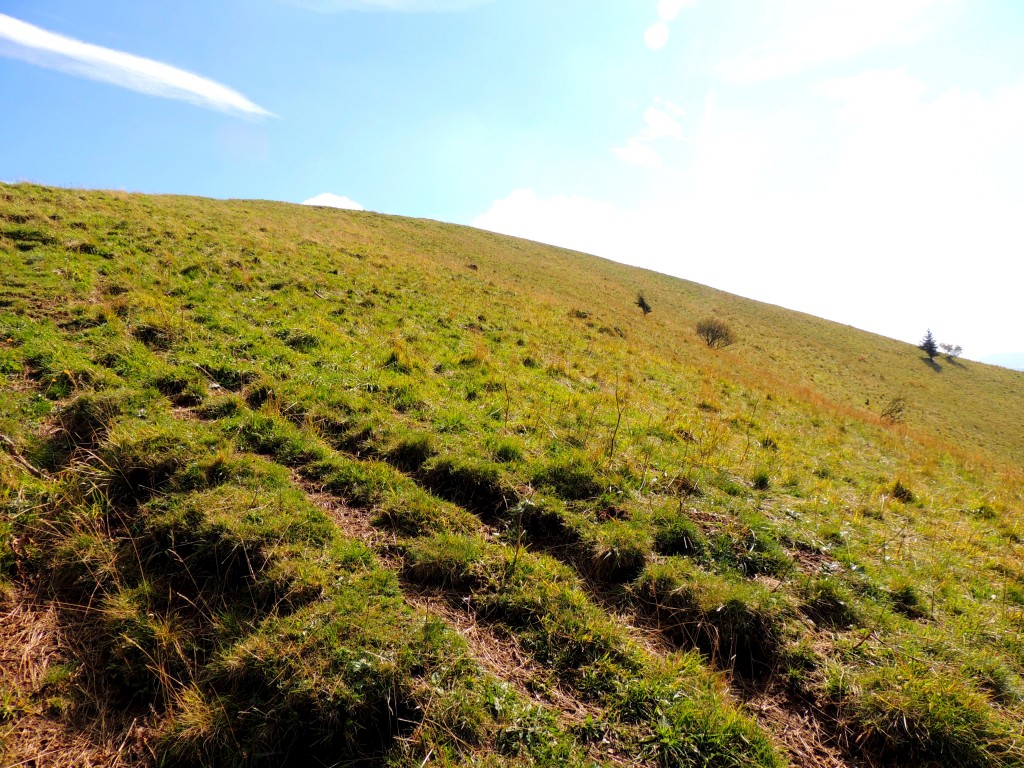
[248, 448]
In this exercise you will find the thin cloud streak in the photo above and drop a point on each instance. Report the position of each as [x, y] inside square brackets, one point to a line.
[400, 6]
[38, 46]
[838, 30]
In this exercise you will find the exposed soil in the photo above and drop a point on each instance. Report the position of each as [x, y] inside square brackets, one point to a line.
[32, 733]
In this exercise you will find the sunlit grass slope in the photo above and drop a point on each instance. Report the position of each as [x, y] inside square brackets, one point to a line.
[282, 485]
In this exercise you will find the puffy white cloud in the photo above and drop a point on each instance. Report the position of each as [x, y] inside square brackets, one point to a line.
[330, 200]
[669, 9]
[570, 221]
[836, 30]
[48, 49]
[638, 149]
[911, 220]
[636, 152]
[656, 36]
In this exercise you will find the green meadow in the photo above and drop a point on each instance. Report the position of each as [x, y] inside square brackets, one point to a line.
[283, 485]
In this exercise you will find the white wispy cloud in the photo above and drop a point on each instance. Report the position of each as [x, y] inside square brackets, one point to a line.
[402, 6]
[835, 30]
[330, 200]
[35, 45]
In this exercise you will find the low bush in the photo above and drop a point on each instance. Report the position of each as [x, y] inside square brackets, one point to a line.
[715, 333]
[900, 492]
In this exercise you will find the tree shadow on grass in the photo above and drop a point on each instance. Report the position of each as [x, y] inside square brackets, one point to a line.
[931, 363]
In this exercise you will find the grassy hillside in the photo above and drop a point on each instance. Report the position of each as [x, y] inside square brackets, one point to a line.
[282, 485]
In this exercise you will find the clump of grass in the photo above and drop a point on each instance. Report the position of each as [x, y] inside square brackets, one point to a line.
[506, 450]
[272, 435]
[905, 598]
[299, 340]
[557, 623]
[996, 677]
[138, 460]
[830, 603]
[619, 552]
[677, 534]
[220, 407]
[761, 481]
[411, 451]
[445, 560]
[361, 483]
[477, 484]
[414, 512]
[911, 712]
[750, 550]
[569, 477]
[88, 418]
[901, 492]
[157, 332]
[739, 626]
[399, 359]
[184, 388]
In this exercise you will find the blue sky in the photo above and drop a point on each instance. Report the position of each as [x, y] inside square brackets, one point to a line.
[861, 160]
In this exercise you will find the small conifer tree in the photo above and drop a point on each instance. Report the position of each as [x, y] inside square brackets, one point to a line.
[929, 345]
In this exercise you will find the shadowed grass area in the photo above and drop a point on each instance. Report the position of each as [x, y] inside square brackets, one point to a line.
[247, 448]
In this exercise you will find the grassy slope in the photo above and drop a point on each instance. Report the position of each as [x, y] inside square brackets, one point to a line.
[230, 427]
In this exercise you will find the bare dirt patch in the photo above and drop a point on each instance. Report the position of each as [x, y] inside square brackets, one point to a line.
[31, 732]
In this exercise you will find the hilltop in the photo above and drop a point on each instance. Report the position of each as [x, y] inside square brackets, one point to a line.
[287, 485]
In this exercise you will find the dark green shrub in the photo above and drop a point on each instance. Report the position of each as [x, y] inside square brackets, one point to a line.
[900, 492]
